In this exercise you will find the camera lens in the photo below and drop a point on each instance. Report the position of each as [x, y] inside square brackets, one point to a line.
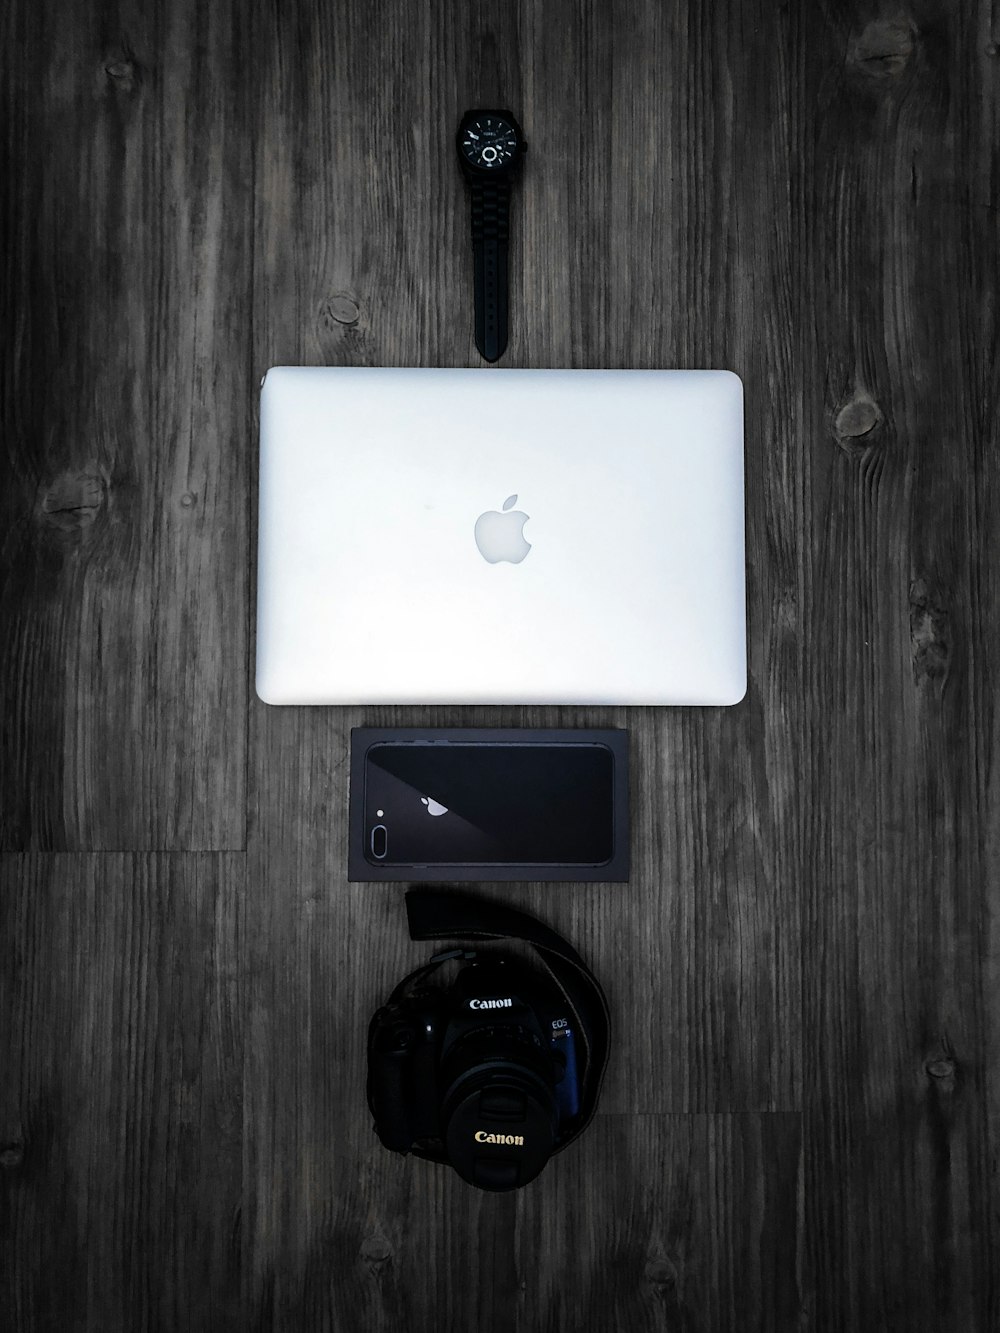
[380, 841]
[501, 1134]
[500, 1108]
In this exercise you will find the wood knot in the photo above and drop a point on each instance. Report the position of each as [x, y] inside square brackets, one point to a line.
[11, 1154]
[341, 308]
[856, 421]
[930, 634]
[122, 72]
[73, 501]
[661, 1273]
[376, 1249]
[943, 1069]
[884, 48]
[188, 500]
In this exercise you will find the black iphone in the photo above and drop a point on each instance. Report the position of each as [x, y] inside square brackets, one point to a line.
[502, 803]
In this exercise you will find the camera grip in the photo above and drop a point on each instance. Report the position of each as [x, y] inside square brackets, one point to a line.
[387, 1064]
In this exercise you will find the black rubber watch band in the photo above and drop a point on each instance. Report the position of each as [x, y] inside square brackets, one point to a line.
[490, 231]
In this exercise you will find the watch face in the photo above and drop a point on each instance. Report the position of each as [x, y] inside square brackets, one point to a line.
[490, 142]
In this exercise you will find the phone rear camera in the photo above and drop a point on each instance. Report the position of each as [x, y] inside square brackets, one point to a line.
[380, 841]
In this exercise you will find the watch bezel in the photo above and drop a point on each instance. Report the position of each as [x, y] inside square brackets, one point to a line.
[490, 173]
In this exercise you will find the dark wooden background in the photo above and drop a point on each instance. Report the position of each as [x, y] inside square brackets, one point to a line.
[801, 1122]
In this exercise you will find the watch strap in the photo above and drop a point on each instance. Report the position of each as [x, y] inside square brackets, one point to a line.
[490, 232]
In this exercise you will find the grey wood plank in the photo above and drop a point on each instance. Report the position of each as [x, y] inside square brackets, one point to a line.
[127, 427]
[716, 798]
[121, 1101]
[650, 1222]
[667, 179]
[899, 962]
[700, 951]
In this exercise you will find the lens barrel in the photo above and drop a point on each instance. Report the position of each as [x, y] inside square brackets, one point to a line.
[499, 1110]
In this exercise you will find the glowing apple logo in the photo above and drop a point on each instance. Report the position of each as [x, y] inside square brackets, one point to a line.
[433, 807]
[500, 536]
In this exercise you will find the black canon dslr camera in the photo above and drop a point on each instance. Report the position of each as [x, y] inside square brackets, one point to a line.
[498, 1070]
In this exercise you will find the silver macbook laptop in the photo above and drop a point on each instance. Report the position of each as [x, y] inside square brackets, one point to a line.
[501, 536]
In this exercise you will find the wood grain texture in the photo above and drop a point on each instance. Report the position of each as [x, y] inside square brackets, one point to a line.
[126, 428]
[660, 1222]
[800, 1124]
[121, 1101]
[901, 1069]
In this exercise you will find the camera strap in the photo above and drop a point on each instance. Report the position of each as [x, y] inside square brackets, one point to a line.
[437, 914]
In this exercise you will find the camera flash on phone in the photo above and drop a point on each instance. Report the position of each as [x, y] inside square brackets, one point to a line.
[379, 813]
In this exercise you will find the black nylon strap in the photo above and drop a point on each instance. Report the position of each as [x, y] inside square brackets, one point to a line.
[436, 914]
[490, 232]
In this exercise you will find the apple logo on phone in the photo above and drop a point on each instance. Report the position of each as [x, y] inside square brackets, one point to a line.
[433, 807]
[500, 536]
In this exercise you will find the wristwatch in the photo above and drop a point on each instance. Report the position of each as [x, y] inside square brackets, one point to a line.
[490, 148]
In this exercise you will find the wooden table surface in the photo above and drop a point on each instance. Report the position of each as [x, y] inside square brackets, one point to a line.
[801, 1124]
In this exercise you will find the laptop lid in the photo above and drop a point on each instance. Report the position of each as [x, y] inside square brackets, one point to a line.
[501, 536]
